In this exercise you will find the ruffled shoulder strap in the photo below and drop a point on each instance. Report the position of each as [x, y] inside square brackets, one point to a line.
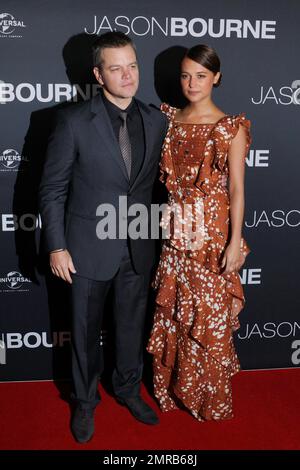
[168, 110]
[236, 122]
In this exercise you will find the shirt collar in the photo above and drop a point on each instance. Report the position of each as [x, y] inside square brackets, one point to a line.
[114, 111]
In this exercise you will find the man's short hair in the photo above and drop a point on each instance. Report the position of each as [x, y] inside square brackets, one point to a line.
[111, 39]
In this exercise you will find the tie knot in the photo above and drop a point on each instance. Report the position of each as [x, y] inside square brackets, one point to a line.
[123, 116]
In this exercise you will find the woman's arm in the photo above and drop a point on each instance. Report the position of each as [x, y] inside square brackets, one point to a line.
[233, 259]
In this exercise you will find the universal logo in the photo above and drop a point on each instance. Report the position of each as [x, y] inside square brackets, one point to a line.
[9, 25]
[14, 281]
[10, 160]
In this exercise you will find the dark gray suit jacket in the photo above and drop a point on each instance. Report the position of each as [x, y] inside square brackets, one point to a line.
[83, 169]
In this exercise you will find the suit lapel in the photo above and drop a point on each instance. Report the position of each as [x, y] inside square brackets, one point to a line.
[104, 128]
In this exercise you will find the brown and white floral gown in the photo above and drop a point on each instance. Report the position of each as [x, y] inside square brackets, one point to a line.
[197, 305]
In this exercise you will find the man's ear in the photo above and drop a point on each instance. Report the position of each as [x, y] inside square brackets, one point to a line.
[98, 75]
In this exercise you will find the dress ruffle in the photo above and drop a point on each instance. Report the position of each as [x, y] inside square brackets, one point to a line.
[192, 333]
[184, 293]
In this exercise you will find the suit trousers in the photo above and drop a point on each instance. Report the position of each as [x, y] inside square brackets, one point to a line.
[130, 295]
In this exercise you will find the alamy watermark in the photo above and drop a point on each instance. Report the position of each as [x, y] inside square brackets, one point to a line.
[184, 222]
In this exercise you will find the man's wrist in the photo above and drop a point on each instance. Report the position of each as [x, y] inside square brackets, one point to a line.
[56, 251]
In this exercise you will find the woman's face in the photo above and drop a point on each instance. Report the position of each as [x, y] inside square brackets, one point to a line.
[196, 80]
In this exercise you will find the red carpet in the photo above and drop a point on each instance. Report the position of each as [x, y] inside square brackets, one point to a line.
[266, 404]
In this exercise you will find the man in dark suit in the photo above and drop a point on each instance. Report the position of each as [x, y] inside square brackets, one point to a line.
[101, 150]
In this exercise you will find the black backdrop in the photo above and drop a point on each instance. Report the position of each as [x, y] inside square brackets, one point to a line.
[44, 49]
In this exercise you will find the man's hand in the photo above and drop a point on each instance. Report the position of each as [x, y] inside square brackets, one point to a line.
[61, 265]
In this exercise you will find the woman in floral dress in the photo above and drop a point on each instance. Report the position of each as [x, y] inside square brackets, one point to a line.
[199, 292]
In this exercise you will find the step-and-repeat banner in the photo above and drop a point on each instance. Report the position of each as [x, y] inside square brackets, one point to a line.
[46, 62]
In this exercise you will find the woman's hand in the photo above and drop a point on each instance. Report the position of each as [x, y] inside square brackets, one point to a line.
[233, 259]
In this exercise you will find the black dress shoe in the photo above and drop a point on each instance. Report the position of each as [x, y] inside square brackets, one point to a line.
[140, 410]
[82, 424]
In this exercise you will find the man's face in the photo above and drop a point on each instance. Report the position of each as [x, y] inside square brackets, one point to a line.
[119, 74]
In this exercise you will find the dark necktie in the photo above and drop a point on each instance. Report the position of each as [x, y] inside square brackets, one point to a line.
[124, 142]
